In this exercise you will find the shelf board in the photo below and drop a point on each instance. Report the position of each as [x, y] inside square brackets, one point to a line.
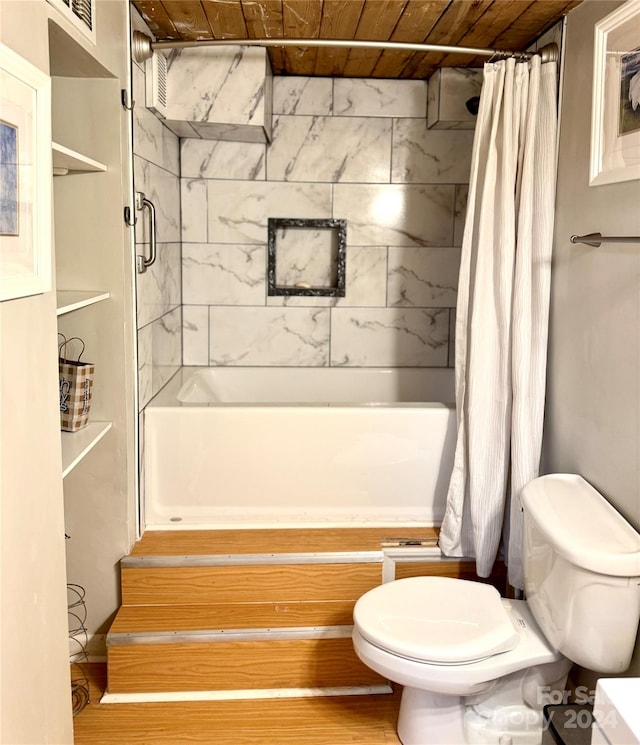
[64, 157]
[75, 445]
[69, 300]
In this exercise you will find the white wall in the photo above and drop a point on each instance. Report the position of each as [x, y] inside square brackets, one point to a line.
[593, 398]
[35, 705]
[593, 410]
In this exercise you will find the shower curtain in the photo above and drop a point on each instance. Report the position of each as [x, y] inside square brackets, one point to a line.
[502, 313]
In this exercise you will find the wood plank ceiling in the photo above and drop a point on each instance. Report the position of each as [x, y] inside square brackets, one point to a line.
[496, 24]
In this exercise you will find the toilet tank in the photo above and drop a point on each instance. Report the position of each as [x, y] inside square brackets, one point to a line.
[581, 572]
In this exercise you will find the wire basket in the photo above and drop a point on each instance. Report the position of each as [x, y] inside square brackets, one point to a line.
[78, 656]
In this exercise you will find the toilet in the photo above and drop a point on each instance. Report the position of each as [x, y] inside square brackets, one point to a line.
[477, 668]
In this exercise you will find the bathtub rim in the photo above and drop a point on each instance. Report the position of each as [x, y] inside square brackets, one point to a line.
[168, 395]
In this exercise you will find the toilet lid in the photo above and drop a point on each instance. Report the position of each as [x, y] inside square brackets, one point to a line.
[436, 619]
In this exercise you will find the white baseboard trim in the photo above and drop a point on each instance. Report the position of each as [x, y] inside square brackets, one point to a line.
[94, 646]
[235, 695]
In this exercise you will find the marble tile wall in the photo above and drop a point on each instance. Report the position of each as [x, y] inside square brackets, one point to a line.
[449, 90]
[350, 149]
[158, 290]
[222, 93]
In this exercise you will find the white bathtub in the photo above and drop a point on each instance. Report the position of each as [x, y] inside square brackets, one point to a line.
[266, 447]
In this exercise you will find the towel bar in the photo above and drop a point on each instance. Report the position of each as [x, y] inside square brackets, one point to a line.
[597, 239]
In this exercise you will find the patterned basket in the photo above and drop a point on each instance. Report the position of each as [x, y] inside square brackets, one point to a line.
[76, 384]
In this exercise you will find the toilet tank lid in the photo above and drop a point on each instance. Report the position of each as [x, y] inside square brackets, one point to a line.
[581, 525]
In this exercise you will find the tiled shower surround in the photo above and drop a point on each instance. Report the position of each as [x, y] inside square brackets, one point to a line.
[157, 174]
[352, 149]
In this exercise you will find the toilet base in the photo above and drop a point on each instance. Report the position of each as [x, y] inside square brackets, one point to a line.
[508, 712]
[428, 718]
[435, 719]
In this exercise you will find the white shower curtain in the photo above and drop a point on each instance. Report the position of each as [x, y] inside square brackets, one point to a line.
[502, 313]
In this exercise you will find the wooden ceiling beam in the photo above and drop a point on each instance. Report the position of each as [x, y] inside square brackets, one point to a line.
[450, 28]
[415, 25]
[188, 18]
[264, 21]
[339, 21]
[378, 20]
[225, 18]
[537, 18]
[492, 24]
[488, 28]
[301, 20]
[157, 18]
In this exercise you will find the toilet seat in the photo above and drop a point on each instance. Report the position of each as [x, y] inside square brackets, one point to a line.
[436, 620]
[461, 679]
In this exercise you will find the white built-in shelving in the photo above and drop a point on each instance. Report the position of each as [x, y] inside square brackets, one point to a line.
[70, 300]
[75, 445]
[95, 281]
[66, 159]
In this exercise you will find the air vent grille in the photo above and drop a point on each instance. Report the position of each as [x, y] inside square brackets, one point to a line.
[84, 10]
[156, 84]
[161, 74]
[81, 13]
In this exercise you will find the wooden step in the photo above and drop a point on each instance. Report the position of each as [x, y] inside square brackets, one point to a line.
[269, 663]
[191, 585]
[234, 646]
[273, 541]
[140, 619]
[217, 613]
[231, 566]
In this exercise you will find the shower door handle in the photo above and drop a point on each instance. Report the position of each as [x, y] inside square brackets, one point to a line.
[142, 262]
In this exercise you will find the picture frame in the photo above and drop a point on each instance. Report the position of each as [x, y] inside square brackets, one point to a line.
[615, 114]
[25, 178]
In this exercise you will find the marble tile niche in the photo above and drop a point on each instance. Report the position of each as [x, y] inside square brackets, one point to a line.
[449, 90]
[222, 93]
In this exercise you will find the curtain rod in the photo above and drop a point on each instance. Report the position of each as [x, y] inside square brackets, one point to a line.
[597, 239]
[143, 46]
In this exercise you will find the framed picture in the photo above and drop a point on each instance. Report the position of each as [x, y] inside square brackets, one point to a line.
[25, 177]
[615, 115]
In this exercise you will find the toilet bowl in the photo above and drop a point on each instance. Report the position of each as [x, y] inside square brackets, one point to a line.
[473, 664]
[477, 668]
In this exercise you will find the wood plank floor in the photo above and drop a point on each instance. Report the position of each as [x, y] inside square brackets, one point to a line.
[348, 720]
